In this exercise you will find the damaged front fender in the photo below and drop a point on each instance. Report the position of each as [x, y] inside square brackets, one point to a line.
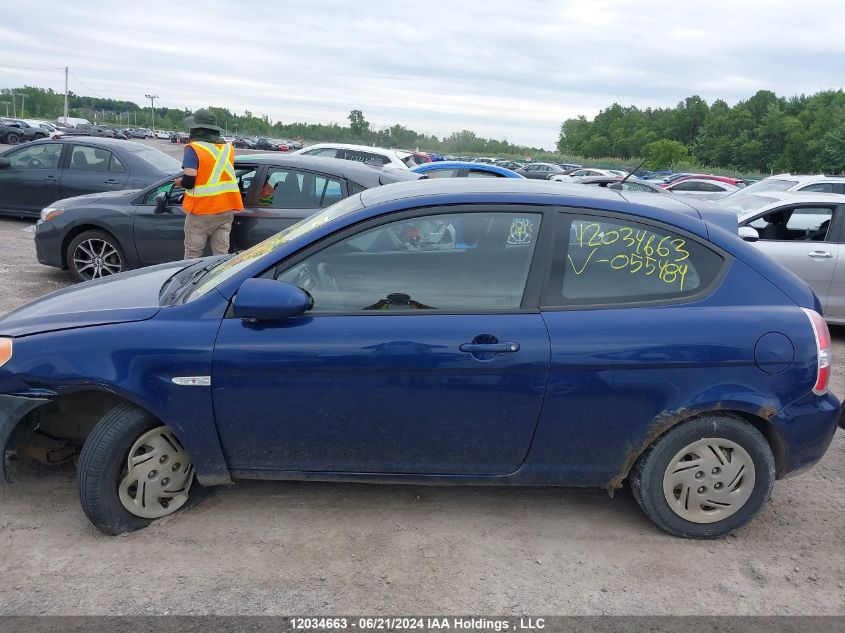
[13, 409]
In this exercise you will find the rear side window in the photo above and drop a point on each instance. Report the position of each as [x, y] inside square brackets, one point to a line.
[604, 261]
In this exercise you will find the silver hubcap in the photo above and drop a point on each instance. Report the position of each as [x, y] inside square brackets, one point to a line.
[709, 480]
[158, 475]
[96, 258]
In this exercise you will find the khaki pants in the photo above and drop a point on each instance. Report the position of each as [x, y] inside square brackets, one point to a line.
[201, 228]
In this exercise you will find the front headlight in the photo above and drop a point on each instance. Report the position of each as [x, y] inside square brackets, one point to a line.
[5, 350]
[51, 213]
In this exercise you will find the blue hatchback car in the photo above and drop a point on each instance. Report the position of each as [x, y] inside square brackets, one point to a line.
[490, 331]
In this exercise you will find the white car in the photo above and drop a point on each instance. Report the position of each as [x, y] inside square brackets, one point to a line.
[588, 172]
[803, 231]
[702, 188]
[399, 158]
[162, 134]
[793, 182]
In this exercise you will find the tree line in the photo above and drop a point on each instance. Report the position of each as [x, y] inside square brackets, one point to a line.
[48, 104]
[764, 133]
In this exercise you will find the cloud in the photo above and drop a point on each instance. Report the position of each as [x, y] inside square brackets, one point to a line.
[498, 67]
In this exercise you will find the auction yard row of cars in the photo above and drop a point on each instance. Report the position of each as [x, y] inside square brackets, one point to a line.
[386, 320]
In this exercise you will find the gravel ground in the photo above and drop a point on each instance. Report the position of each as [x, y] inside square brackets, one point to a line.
[305, 548]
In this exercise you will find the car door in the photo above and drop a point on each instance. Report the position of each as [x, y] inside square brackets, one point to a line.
[286, 196]
[31, 181]
[803, 238]
[422, 353]
[160, 236]
[91, 169]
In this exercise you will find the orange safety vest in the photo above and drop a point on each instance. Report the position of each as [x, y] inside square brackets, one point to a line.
[216, 189]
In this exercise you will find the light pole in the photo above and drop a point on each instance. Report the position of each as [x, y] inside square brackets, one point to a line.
[152, 99]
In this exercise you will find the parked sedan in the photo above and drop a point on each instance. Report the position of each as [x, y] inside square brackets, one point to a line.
[805, 233]
[540, 171]
[399, 158]
[616, 183]
[455, 332]
[588, 172]
[458, 169]
[37, 174]
[104, 234]
[702, 188]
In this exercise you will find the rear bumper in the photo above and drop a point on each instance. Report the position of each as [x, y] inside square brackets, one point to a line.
[13, 409]
[805, 430]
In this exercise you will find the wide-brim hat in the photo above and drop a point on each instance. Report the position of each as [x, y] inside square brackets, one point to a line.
[203, 119]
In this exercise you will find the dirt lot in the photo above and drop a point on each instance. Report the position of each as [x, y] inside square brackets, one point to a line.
[304, 548]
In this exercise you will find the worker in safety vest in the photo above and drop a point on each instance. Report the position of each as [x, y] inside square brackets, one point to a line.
[212, 195]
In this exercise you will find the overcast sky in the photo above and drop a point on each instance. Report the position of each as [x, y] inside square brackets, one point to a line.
[510, 69]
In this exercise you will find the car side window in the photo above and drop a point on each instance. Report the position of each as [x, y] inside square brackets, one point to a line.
[90, 158]
[116, 166]
[454, 262]
[326, 152]
[294, 189]
[613, 262]
[441, 173]
[808, 224]
[822, 187]
[43, 156]
[477, 173]
[687, 186]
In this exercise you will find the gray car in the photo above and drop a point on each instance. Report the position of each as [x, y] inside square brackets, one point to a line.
[803, 231]
[34, 175]
[103, 234]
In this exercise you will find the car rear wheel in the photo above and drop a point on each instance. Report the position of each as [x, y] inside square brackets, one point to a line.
[132, 471]
[13, 139]
[95, 254]
[705, 478]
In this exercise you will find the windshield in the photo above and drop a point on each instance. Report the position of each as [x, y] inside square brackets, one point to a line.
[159, 159]
[744, 202]
[233, 265]
[770, 184]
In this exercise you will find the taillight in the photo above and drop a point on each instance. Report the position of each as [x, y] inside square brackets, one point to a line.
[824, 353]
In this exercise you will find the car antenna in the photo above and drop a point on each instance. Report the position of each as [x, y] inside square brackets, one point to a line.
[631, 173]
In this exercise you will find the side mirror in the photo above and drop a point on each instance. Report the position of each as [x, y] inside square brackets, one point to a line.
[269, 300]
[749, 233]
[4, 162]
[161, 202]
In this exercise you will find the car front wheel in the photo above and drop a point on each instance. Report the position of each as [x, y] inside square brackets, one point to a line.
[132, 471]
[705, 478]
[95, 254]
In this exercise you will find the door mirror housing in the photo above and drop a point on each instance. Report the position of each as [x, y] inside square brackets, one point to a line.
[270, 300]
[161, 202]
[5, 162]
[749, 233]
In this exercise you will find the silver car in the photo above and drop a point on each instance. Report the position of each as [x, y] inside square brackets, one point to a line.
[803, 231]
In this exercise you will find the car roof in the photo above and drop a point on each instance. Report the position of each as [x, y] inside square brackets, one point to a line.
[362, 148]
[131, 146]
[793, 196]
[334, 166]
[803, 177]
[549, 192]
[460, 164]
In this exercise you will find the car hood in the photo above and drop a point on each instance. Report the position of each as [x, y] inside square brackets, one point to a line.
[130, 296]
[91, 198]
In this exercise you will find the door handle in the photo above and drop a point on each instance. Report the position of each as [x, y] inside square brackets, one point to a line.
[50, 178]
[112, 181]
[495, 348]
[820, 254]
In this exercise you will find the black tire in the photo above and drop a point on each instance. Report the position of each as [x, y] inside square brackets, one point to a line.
[40, 136]
[102, 464]
[13, 138]
[77, 252]
[647, 476]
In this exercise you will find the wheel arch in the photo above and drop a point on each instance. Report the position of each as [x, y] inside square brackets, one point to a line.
[82, 228]
[661, 425]
[55, 430]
